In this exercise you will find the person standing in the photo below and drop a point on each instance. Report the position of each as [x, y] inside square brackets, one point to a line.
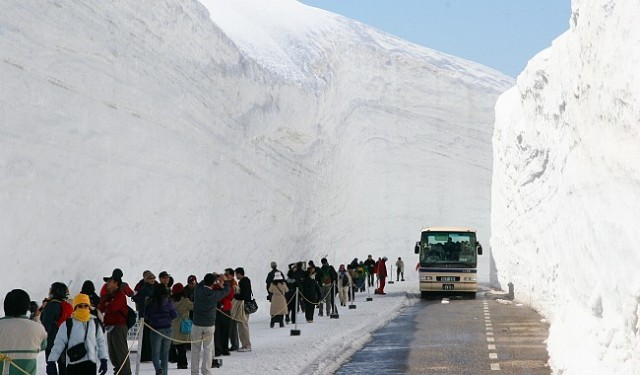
[204, 320]
[114, 307]
[344, 285]
[158, 314]
[81, 329]
[192, 281]
[19, 335]
[310, 293]
[294, 276]
[399, 269]
[223, 321]
[145, 290]
[183, 306]
[382, 274]
[369, 263]
[270, 275]
[278, 290]
[233, 327]
[327, 278]
[245, 294]
[54, 313]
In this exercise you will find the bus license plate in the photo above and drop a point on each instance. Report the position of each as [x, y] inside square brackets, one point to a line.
[447, 286]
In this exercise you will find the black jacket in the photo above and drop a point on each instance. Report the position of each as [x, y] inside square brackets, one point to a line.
[310, 289]
[245, 290]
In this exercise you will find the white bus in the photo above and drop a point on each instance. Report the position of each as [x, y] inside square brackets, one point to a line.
[448, 261]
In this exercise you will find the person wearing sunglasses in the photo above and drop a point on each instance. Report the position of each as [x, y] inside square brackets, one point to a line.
[82, 337]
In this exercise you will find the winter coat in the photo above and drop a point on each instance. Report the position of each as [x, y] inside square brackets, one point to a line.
[205, 304]
[23, 339]
[225, 302]
[160, 315]
[310, 289]
[188, 292]
[326, 275]
[114, 307]
[278, 300]
[369, 263]
[142, 298]
[245, 293]
[95, 342]
[182, 312]
[382, 269]
[270, 276]
[53, 314]
[400, 265]
[344, 279]
[126, 289]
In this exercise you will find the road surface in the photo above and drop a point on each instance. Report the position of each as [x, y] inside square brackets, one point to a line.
[487, 335]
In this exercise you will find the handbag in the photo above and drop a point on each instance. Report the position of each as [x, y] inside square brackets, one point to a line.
[185, 326]
[76, 352]
[250, 307]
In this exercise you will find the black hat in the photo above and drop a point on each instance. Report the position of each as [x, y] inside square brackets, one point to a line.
[191, 279]
[116, 274]
[164, 274]
[209, 279]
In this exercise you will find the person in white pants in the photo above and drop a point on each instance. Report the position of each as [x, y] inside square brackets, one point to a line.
[205, 300]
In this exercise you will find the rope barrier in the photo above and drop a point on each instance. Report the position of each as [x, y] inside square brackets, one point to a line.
[4, 358]
[176, 340]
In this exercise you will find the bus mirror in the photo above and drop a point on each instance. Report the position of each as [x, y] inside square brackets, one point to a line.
[417, 248]
[479, 247]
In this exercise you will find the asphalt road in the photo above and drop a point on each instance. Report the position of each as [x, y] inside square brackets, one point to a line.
[482, 336]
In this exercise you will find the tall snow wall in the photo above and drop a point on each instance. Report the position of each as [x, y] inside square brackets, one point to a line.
[565, 193]
[188, 137]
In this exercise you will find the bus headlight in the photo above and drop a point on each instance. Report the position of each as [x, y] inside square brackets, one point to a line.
[469, 279]
[426, 278]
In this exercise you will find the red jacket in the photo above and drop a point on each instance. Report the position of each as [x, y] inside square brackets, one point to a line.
[382, 268]
[114, 308]
[125, 287]
[65, 313]
[225, 302]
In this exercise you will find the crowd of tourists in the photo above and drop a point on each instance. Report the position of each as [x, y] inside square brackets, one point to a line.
[209, 318]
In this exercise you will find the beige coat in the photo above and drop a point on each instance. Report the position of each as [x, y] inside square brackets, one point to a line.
[182, 308]
[278, 301]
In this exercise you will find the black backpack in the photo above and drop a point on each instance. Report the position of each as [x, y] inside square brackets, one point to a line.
[132, 317]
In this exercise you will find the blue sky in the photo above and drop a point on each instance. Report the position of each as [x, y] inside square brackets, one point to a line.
[501, 34]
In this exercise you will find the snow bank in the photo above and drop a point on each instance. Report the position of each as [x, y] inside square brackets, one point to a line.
[565, 189]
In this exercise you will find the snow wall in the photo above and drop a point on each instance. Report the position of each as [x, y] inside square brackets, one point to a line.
[170, 135]
[566, 183]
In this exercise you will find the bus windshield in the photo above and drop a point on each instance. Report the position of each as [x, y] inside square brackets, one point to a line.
[458, 249]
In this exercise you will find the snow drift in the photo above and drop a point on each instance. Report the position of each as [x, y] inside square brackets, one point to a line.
[565, 189]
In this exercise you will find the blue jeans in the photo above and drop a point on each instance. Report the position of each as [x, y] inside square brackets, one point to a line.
[160, 349]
